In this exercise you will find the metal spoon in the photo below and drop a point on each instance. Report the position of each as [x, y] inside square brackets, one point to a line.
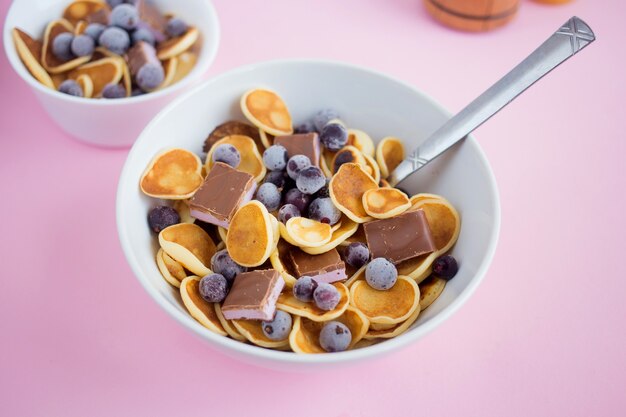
[572, 37]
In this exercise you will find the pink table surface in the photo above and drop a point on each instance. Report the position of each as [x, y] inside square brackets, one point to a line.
[543, 335]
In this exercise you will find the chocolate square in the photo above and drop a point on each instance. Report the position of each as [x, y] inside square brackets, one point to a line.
[223, 191]
[401, 237]
[253, 295]
[326, 267]
[301, 144]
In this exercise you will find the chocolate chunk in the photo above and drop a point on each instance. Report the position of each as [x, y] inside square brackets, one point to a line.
[223, 191]
[253, 295]
[400, 238]
[99, 16]
[301, 144]
[232, 127]
[140, 54]
[326, 267]
[151, 16]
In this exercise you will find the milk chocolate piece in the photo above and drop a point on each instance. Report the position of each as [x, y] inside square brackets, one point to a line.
[152, 18]
[99, 16]
[140, 54]
[400, 238]
[301, 144]
[253, 295]
[326, 267]
[233, 127]
[223, 191]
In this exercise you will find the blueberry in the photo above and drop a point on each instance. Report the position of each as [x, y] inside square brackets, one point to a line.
[213, 288]
[125, 16]
[381, 274]
[62, 46]
[71, 87]
[115, 40]
[227, 154]
[297, 163]
[136, 91]
[279, 328]
[161, 217]
[269, 196]
[176, 27]
[334, 136]
[323, 192]
[278, 178]
[326, 296]
[324, 116]
[275, 158]
[82, 45]
[323, 210]
[306, 127]
[94, 30]
[115, 3]
[310, 180]
[114, 91]
[143, 34]
[288, 211]
[335, 337]
[304, 288]
[298, 199]
[150, 76]
[223, 264]
[357, 254]
[445, 267]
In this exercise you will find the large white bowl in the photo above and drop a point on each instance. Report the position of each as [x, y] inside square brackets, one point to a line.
[366, 100]
[110, 123]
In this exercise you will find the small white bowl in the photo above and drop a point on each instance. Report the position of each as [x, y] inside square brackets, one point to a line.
[373, 102]
[109, 123]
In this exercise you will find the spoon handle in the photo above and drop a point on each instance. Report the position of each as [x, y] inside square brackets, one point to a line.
[572, 37]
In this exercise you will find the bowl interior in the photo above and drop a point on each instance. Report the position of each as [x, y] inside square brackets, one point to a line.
[366, 100]
[33, 16]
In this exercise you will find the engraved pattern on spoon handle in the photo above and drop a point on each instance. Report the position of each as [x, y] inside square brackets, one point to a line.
[569, 39]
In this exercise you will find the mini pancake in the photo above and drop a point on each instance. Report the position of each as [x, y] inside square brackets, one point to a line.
[371, 163]
[170, 66]
[82, 9]
[308, 233]
[391, 306]
[424, 196]
[173, 174]
[228, 325]
[176, 46]
[58, 79]
[86, 84]
[305, 334]
[326, 162]
[266, 139]
[172, 271]
[279, 260]
[378, 326]
[444, 222]
[222, 232]
[198, 307]
[336, 226]
[275, 231]
[394, 330]
[389, 154]
[221, 245]
[233, 127]
[250, 238]
[347, 188]
[189, 245]
[347, 154]
[359, 275]
[182, 207]
[251, 160]
[346, 229]
[430, 290]
[267, 111]
[285, 235]
[362, 141]
[383, 183]
[102, 72]
[51, 63]
[418, 268]
[253, 332]
[30, 52]
[101, 52]
[358, 236]
[363, 343]
[383, 203]
[186, 61]
[287, 302]
[80, 27]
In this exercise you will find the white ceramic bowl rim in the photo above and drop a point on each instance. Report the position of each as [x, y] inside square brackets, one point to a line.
[290, 357]
[202, 65]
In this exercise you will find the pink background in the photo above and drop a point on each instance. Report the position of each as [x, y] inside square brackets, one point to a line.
[543, 335]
